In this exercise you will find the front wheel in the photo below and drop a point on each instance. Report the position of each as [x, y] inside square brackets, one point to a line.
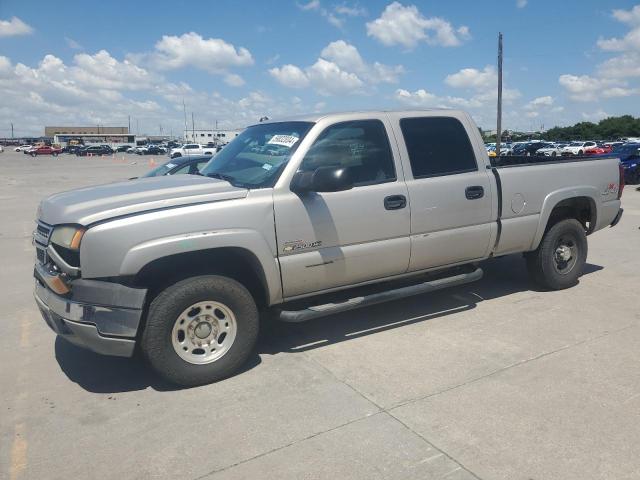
[559, 260]
[34, 155]
[200, 330]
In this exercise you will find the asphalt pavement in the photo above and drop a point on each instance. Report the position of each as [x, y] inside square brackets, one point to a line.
[493, 380]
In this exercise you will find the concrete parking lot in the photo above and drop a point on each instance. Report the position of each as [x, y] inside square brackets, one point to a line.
[493, 380]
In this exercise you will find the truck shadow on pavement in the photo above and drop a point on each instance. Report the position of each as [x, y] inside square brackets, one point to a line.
[503, 277]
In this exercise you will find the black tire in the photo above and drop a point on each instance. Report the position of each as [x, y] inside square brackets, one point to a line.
[553, 154]
[544, 264]
[165, 309]
[580, 152]
[54, 154]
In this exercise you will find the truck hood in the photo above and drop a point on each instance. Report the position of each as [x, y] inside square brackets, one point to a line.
[89, 205]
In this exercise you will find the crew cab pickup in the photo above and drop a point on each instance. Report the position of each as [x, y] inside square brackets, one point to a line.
[301, 218]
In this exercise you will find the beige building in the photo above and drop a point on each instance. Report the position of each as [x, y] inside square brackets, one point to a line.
[95, 130]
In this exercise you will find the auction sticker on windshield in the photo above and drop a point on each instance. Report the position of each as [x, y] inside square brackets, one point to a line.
[284, 140]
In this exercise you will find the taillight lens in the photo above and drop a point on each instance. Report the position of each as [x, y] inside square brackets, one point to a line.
[621, 181]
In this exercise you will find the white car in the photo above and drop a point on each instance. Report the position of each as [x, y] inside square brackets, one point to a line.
[551, 151]
[578, 148]
[1, 149]
[22, 148]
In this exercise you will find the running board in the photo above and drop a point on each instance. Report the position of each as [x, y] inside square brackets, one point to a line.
[316, 311]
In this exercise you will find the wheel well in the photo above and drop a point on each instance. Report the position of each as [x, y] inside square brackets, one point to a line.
[582, 209]
[232, 262]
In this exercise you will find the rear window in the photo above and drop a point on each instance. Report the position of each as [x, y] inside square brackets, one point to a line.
[437, 146]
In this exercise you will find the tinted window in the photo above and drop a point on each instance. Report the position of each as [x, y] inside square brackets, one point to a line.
[361, 146]
[437, 146]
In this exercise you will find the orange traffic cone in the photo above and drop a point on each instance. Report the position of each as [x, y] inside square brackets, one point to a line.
[152, 163]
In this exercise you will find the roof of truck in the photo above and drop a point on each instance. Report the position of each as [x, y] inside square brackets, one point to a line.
[315, 117]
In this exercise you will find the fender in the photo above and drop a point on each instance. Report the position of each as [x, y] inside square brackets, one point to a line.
[554, 198]
[252, 241]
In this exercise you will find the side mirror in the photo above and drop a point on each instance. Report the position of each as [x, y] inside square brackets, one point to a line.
[322, 179]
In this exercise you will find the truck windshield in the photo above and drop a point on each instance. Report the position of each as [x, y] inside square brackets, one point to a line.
[256, 157]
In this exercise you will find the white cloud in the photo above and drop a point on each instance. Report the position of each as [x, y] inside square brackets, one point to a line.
[340, 69]
[521, 3]
[14, 27]
[312, 5]
[615, 92]
[213, 55]
[290, 76]
[406, 26]
[595, 116]
[583, 88]
[536, 103]
[473, 78]
[330, 79]
[622, 66]
[234, 80]
[72, 44]
[101, 89]
[337, 15]
[418, 98]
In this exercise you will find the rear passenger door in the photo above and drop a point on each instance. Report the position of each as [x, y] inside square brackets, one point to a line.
[449, 193]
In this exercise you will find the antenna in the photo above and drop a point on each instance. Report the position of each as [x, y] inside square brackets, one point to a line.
[499, 120]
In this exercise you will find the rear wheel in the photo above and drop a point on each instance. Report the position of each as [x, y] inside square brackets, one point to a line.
[580, 152]
[559, 260]
[200, 330]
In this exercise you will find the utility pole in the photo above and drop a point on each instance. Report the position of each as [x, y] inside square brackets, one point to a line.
[184, 108]
[129, 131]
[11, 130]
[499, 127]
[193, 128]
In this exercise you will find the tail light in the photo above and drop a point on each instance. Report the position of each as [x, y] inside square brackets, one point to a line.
[621, 181]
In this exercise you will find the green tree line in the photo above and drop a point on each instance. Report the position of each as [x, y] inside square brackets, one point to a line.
[610, 128]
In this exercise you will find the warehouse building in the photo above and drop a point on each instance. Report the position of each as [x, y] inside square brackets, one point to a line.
[96, 135]
[210, 135]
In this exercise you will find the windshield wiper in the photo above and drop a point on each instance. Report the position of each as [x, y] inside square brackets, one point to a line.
[226, 178]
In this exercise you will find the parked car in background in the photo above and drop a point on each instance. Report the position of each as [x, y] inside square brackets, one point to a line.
[551, 150]
[122, 148]
[72, 148]
[577, 148]
[94, 150]
[191, 149]
[529, 148]
[22, 148]
[151, 150]
[1, 149]
[629, 155]
[180, 165]
[598, 150]
[45, 150]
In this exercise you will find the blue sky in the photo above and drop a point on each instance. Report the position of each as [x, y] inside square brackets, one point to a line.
[233, 61]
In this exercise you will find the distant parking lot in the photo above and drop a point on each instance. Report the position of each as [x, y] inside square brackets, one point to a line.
[492, 380]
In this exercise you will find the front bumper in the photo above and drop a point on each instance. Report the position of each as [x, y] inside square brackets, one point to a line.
[101, 316]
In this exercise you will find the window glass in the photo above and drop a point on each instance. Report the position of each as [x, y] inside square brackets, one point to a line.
[256, 158]
[361, 146]
[437, 146]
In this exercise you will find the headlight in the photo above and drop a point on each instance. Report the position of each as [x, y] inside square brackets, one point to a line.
[68, 237]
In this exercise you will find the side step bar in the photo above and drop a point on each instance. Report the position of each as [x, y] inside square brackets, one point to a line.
[310, 313]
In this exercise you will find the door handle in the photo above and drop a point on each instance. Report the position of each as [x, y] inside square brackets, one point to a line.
[395, 202]
[474, 192]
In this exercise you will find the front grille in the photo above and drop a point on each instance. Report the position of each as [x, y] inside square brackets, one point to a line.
[41, 255]
[44, 230]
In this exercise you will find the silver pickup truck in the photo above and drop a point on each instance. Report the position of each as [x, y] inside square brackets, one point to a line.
[301, 218]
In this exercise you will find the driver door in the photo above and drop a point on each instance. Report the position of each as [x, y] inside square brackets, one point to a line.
[327, 240]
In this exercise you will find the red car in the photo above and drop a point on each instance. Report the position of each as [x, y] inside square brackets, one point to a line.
[599, 150]
[45, 150]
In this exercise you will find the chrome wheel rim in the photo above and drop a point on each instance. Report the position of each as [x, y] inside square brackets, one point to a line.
[204, 332]
[565, 254]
